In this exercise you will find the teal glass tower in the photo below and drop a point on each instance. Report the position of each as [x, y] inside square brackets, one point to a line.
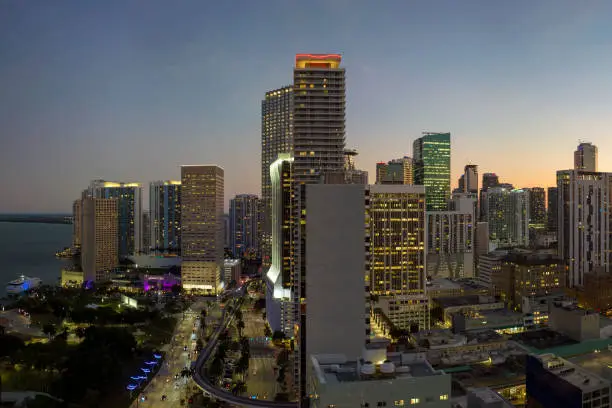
[432, 159]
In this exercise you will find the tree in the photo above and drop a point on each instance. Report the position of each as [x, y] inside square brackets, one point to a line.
[199, 345]
[238, 314]
[79, 332]
[49, 330]
[240, 326]
[239, 388]
[216, 367]
[267, 331]
[10, 345]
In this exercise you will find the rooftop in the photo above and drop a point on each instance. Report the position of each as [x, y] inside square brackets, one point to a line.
[543, 339]
[335, 368]
[454, 301]
[488, 396]
[572, 373]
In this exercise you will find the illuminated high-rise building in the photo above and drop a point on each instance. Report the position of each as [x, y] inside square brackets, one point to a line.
[276, 138]
[584, 225]
[165, 217]
[76, 224]
[537, 207]
[244, 225]
[202, 200]
[278, 294]
[508, 216]
[432, 160]
[552, 210]
[488, 180]
[129, 212]
[99, 244]
[585, 157]
[396, 215]
[318, 147]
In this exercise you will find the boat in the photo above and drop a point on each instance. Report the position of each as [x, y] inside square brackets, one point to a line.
[23, 284]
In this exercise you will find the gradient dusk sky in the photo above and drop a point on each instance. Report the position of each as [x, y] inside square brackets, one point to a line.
[130, 90]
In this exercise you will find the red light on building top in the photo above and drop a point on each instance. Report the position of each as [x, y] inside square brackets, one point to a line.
[299, 57]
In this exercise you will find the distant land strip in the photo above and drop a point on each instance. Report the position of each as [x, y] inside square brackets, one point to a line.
[39, 219]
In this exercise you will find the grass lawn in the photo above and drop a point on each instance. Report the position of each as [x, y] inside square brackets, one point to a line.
[25, 379]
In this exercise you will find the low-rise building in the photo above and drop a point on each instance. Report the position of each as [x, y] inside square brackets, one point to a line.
[486, 398]
[438, 288]
[447, 306]
[410, 312]
[71, 278]
[499, 319]
[573, 321]
[399, 380]
[553, 382]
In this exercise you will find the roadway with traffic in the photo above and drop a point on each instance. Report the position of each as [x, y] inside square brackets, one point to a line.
[201, 379]
[175, 360]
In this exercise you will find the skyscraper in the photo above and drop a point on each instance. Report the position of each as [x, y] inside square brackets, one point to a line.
[585, 157]
[396, 171]
[432, 160]
[129, 210]
[508, 216]
[553, 208]
[202, 199]
[278, 294]
[165, 217]
[488, 180]
[471, 178]
[276, 138]
[537, 207]
[146, 231]
[76, 224]
[450, 239]
[584, 223]
[99, 244]
[318, 141]
[396, 235]
[244, 225]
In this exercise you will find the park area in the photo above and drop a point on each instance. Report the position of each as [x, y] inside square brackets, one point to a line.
[81, 345]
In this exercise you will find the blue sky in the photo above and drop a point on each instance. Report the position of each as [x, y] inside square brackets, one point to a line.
[130, 90]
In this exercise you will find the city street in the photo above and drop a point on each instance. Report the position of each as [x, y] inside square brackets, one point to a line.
[261, 378]
[176, 359]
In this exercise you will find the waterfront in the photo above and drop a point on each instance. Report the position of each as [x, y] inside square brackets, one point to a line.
[29, 249]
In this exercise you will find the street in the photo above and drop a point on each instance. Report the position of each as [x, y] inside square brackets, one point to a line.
[260, 378]
[175, 360]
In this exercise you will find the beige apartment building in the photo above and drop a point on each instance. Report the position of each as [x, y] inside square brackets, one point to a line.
[202, 227]
[99, 243]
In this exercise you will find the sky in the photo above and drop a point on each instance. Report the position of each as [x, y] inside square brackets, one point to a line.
[130, 90]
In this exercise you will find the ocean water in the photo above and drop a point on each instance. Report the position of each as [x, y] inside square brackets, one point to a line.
[29, 249]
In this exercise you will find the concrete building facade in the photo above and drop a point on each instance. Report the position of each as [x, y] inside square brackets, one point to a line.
[202, 200]
[99, 244]
[584, 222]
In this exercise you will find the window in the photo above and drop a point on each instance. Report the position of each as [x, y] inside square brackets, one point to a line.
[443, 397]
[399, 403]
[414, 401]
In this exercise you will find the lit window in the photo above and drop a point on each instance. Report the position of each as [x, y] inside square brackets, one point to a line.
[443, 397]
[399, 403]
[414, 401]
